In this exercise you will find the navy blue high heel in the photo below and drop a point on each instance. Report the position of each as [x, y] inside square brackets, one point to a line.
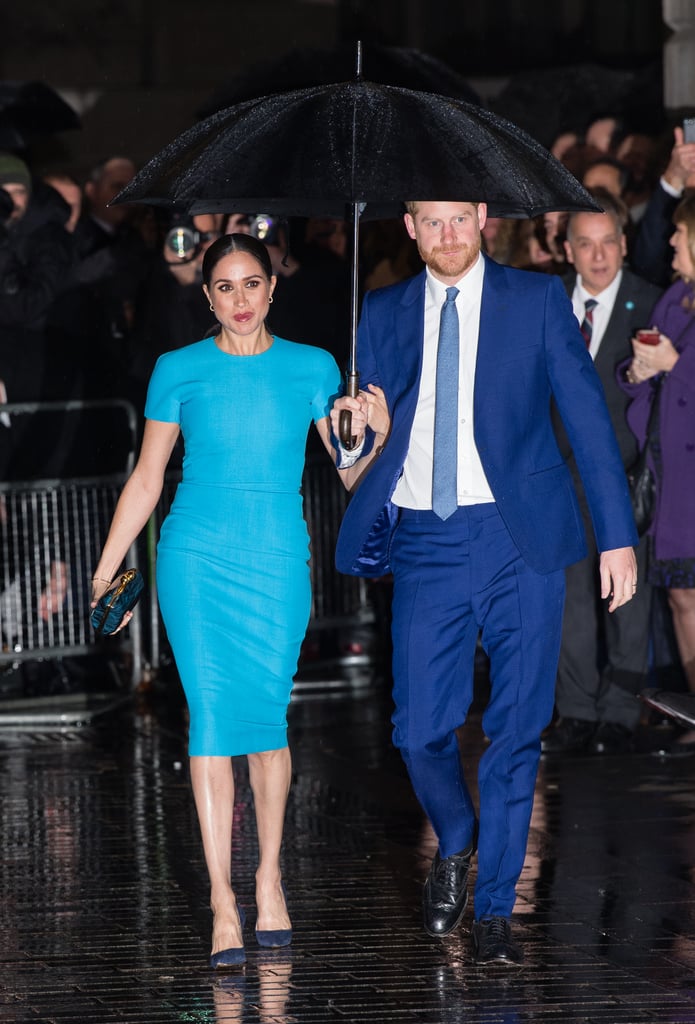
[235, 955]
[277, 937]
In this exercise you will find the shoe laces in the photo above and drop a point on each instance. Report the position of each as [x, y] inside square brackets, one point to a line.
[497, 928]
[450, 869]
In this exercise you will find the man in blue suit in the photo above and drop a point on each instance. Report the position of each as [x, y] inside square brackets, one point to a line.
[494, 563]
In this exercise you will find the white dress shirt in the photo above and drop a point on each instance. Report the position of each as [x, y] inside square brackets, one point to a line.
[602, 311]
[414, 488]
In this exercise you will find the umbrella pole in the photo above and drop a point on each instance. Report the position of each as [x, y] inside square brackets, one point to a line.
[352, 376]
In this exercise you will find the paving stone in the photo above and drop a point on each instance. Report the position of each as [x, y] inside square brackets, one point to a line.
[105, 911]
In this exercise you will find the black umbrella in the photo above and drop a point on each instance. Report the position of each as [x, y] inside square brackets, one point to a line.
[30, 109]
[360, 146]
[311, 152]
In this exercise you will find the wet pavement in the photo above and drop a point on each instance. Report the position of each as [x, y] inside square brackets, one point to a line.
[104, 894]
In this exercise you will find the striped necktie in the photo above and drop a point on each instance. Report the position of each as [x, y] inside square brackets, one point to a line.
[587, 324]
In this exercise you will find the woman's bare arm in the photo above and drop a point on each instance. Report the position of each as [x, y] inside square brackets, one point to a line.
[137, 501]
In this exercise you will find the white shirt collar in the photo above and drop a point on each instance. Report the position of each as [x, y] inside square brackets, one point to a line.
[605, 298]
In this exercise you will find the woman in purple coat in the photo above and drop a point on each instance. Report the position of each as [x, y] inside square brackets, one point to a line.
[672, 360]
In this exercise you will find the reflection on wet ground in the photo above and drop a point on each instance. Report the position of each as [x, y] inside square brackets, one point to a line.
[104, 895]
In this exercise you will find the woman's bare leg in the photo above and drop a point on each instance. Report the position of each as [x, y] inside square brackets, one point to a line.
[270, 774]
[682, 604]
[212, 779]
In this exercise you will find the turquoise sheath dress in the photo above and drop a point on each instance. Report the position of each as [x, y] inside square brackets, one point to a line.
[232, 558]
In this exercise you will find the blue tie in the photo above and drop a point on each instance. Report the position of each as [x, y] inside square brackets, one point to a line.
[444, 473]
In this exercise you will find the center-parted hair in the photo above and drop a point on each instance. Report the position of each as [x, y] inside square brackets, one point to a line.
[228, 244]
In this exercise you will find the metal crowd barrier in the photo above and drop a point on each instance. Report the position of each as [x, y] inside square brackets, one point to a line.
[52, 529]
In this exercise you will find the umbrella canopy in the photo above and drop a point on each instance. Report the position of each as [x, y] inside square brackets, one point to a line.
[309, 152]
[305, 67]
[29, 109]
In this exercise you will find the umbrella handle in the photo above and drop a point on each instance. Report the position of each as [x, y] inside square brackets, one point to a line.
[345, 422]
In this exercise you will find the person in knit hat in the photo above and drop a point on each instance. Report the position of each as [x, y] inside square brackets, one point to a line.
[15, 179]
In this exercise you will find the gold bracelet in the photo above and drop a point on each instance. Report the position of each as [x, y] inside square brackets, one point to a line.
[100, 579]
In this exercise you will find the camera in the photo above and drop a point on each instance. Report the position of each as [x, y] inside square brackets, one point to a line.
[182, 238]
[183, 241]
[265, 228]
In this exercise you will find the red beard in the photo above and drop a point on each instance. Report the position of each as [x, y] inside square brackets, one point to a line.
[451, 264]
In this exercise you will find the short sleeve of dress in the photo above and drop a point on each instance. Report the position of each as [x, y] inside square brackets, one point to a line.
[328, 381]
[164, 392]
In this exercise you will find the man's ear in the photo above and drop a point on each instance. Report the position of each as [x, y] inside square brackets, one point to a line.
[482, 215]
[568, 251]
[409, 224]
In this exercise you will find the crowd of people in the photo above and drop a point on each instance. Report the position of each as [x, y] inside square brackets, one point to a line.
[91, 293]
[115, 291]
[529, 502]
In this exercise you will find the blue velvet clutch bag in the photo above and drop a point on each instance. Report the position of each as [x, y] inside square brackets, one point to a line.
[111, 607]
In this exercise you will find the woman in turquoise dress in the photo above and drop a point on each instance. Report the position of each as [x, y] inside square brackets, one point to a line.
[232, 561]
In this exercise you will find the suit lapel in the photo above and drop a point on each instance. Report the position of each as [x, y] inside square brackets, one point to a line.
[496, 326]
[614, 340]
[408, 321]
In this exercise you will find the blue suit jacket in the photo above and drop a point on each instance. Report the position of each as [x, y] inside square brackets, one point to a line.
[529, 349]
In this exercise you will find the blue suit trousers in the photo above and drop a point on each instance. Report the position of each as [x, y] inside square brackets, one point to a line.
[454, 580]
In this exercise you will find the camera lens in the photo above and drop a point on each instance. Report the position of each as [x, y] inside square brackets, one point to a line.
[182, 241]
[264, 228]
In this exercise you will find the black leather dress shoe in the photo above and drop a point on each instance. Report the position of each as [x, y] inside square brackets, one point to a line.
[612, 738]
[568, 736]
[491, 938]
[446, 891]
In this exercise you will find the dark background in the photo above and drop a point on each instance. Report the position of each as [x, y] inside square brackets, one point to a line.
[139, 71]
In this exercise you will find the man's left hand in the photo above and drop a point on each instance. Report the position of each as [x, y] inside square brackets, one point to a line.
[618, 570]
